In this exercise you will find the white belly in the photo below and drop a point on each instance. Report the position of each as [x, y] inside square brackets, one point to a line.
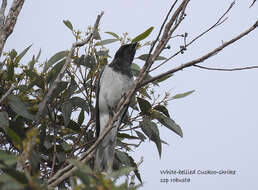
[116, 85]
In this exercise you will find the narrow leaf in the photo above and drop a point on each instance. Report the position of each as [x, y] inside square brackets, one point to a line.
[164, 78]
[81, 166]
[105, 42]
[182, 95]
[81, 117]
[151, 130]
[24, 52]
[162, 109]
[145, 56]
[67, 111]
[79, 102]
[143, 35]
[145, 106]
[168, 122]
[68, 24]
[55, 58]
[4, 120]
[113, 34]
[19, 107]
[140, 135]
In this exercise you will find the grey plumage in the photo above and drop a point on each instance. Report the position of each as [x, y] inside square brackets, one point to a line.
[114, 81]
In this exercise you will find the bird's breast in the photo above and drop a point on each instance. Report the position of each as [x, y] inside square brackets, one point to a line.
[113, 85]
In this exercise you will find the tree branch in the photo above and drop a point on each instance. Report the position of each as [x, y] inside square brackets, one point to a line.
[203, 58]
[2, 16]
[7, 25]
[221, 20]
[233, 69]
[67, 62]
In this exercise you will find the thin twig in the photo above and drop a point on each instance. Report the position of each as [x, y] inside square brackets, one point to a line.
[252, 3]
[7, 93]
[67, 62]
[203, 58]
[232, 69]
[218, 22]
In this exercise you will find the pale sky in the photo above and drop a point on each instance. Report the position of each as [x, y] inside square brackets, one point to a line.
[219, 120]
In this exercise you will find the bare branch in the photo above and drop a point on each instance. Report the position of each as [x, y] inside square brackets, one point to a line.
[67, 62]
[9, 22]
[221, 20]
[203, 58]
[252, 3]
[7, 93]
[233, 69]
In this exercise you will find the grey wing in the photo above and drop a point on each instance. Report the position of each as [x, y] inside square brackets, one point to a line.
[97, 103]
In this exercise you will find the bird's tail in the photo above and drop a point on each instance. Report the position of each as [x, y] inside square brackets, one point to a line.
[105, 152]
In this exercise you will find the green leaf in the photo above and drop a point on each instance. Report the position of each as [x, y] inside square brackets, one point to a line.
[113, 34]
[135, 69]
[140, 135]
[168, 122]
[145, 56]
[68, 24]
[151, 130]
[143, 35]
[19, 107]
[37, 58]
[90, 61]
[10, 72]
[81, 166]
[51, 76]
[122, 157]
[4, 119]
[85, 178]
[16, 175]
[145, 106]
[79, 102]
[81, 117]
[24, 52]
[164, 78]
[14, 136]
[136, 171]
[72, 87]
[7, 158]
[105, 42]
[125, 171]
[182, 95]
[67, 111]
[55, 58]
[103, 53]
[126, 136]
[13, 53]
[162, 109]
[66, 146]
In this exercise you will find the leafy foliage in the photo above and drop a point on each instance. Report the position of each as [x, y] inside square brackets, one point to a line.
[67, 126]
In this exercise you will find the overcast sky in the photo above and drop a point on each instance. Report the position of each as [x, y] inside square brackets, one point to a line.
[219, 120]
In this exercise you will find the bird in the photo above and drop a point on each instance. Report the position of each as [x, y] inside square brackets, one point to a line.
[113, 82]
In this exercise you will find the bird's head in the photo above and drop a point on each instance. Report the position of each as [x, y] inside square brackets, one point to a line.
[126, 52]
